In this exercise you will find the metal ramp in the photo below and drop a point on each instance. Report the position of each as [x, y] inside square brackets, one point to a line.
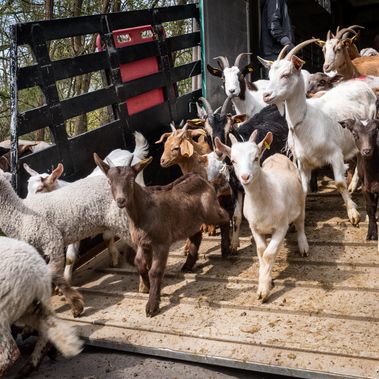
[322, 319]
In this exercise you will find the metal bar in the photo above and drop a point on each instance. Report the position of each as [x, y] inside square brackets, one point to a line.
[14, 103]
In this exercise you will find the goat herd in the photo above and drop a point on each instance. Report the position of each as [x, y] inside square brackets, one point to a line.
[257, 162]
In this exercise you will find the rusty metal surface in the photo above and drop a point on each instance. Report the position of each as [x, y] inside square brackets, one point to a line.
[322, 319]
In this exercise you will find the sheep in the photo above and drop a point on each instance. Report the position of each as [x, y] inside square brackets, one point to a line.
[20, 221]
[159, 216]
[178, 150]
[327, 143]
[337, 57]
[25, 290]
[39, 183]
[365, 134]
[246, 96]
[274, 198]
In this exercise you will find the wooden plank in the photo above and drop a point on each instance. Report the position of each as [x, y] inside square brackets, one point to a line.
[88, 102]
[69, 27]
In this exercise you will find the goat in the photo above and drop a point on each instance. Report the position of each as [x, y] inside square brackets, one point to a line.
[178, 150]
[246, 96]
[337, 57]
[320, 81]
[368, 52]
[40, 183]
[159, 216]
[327, 143]
[25, 292]
[274, 198]
[365, 134]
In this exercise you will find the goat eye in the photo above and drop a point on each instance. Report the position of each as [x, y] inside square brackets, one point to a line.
[322, 82]
[285, 76]
[176, 148]
[233, 162]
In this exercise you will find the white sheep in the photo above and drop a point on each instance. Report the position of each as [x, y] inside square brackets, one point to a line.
[21, 222]
[315, 137]
[25, 290]
[39, 183]
[274, 198]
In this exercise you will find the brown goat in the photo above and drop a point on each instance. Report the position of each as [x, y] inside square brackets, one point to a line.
[178, 150]
[159, 216]
[365, 134]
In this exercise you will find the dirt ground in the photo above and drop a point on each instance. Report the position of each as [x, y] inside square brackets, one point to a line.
[96, 363]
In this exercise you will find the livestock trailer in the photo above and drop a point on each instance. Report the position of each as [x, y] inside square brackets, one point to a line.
[322, 317]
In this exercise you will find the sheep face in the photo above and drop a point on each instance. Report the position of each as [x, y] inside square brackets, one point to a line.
[284, 77]
[365, 133]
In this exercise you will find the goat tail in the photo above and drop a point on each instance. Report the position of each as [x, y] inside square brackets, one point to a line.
[142, 146]
[59, 333]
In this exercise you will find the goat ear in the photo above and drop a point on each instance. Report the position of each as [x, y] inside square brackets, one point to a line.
[197, 133]
[101, 164]
[138, 167]
[348, 124]
[24, 149]
[248, 69]
[265, 63]
[347, 42]
[221, 147]
[297, 62]
[253, 136]
[196, 122]
[186, 148]
[238, 118]
[265, 143]
[232, 138]
[29, 170]
[336, 78]
[214, 71]
[164, 136]
[4, 164]
[57, 173]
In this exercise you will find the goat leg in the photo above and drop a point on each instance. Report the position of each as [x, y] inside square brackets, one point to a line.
[9, 352]
[313, 182]
[371, 205]
[225, 240]
[141, 261]
[155, 276]
[193, 253]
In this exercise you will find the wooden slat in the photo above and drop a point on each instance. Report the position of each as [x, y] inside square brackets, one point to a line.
[69, 27]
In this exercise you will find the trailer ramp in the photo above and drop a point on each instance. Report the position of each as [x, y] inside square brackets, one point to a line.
[322, 319]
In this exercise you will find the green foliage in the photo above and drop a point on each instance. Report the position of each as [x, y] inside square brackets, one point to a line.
[29, 10]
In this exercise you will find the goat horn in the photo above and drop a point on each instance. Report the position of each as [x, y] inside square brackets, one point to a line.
[349, 29]
[224, 61]
[182, 123]
[218, 109]
[337, 30]
[185, 127]
[224, 106]
[282, 53]
[300, 46]
[128, 160]
[172, 126]
[238, 59]
[328, 35]
[208, 107]
[110, 163]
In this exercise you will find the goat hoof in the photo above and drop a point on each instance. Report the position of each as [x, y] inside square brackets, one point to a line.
[77, 307]
[372, 236]
[25, 370]
[152, 310]
[354, 216]
[186, 268]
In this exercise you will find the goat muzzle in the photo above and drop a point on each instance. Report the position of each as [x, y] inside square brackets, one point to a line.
[121, 202]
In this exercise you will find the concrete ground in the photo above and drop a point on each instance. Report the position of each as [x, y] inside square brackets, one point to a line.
[97, 363]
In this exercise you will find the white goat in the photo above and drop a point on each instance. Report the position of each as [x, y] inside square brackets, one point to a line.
[246, 96]
[315, 137]
[274, 198]
[25, 290]
[39, 183]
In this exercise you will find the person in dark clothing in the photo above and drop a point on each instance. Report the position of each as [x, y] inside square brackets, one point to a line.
[276, 29]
